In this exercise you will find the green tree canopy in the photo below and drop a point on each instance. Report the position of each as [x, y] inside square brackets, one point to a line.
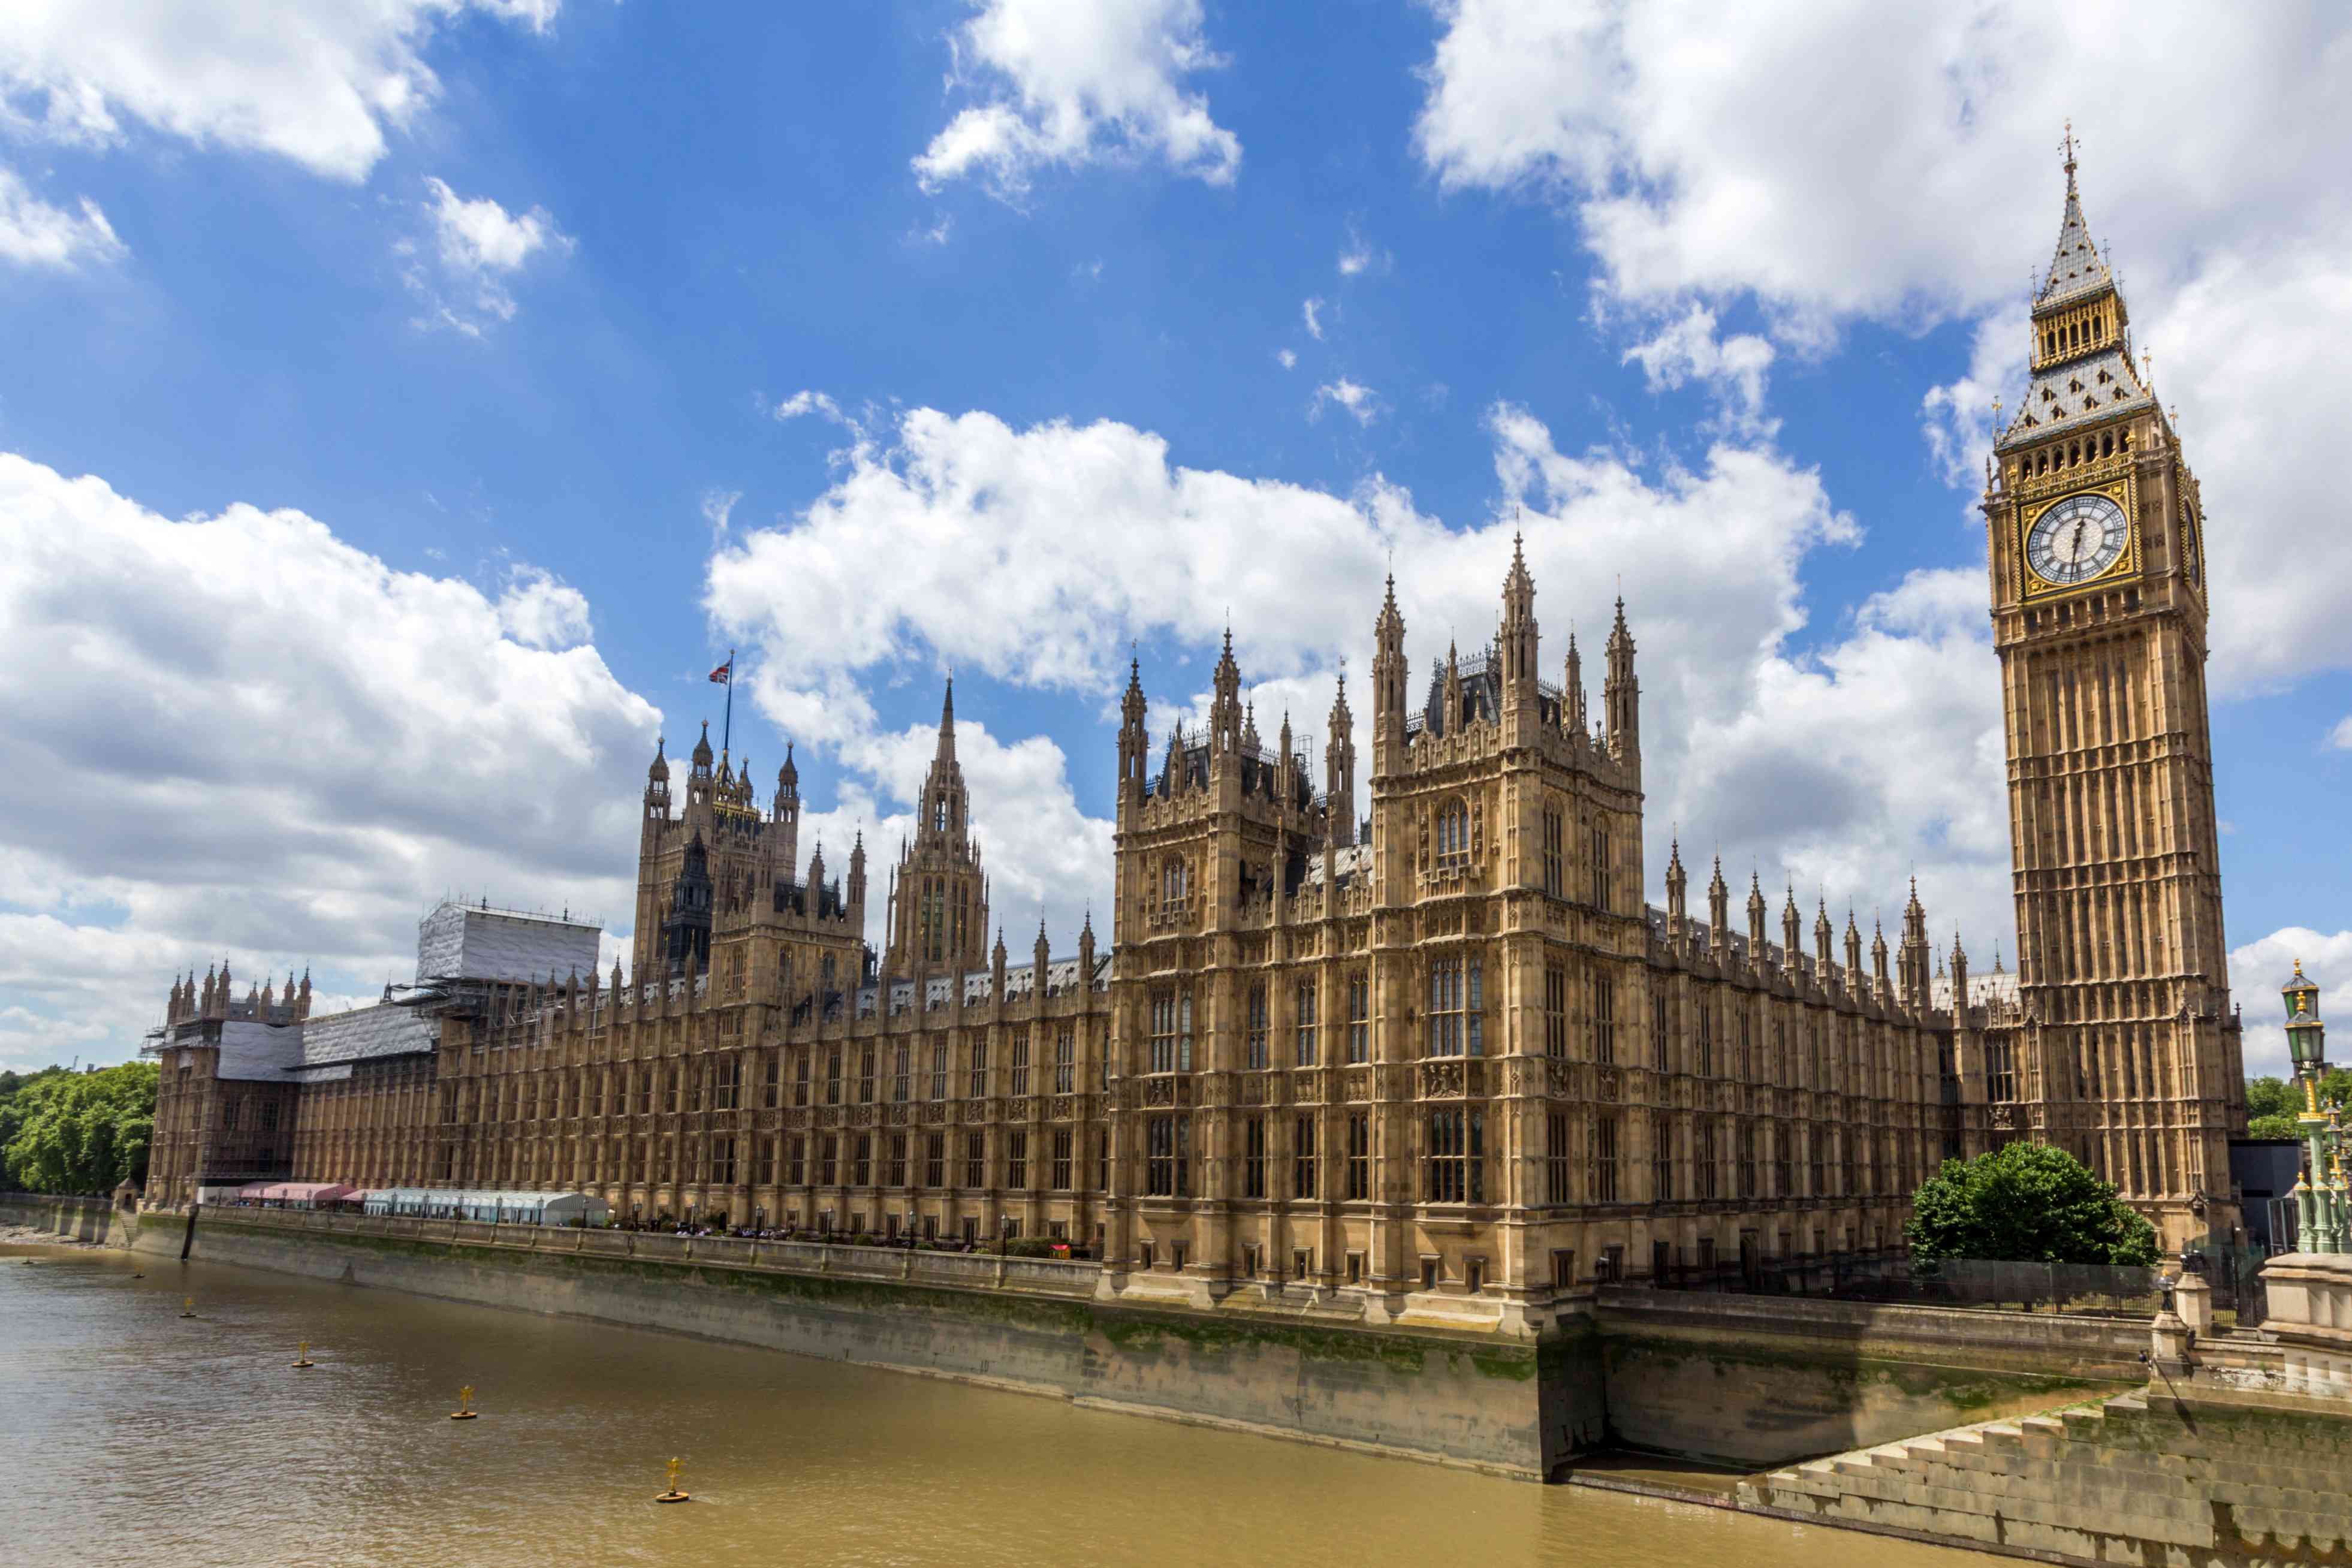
[79, 1133]
[2025, 1202]
[2272, 1104]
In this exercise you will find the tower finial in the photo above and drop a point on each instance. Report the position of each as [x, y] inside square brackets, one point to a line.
[2067, 147]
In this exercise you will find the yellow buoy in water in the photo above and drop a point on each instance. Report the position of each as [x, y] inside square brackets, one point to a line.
[672, 1495]
[465, 1411]
[187, 1306]
[302, 1354]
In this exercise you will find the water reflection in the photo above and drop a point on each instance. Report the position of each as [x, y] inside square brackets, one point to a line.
[131, 1437]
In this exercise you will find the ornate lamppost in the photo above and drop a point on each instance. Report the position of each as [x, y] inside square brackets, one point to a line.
[2323, 1204]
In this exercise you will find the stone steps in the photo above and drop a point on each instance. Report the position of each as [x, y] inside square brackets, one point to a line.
[2112, 1482]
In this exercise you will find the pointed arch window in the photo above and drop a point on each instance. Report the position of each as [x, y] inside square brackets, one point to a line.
[1454, 833]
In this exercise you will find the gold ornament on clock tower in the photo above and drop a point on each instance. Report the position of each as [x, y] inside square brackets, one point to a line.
[2130, 1055]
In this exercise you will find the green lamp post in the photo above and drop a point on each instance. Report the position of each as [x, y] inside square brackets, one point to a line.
[2323, 1205]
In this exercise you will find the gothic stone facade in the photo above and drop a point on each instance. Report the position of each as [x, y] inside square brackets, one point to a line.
[1443, 1062]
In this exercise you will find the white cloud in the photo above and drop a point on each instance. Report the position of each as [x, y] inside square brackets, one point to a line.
[2341, 736]
[318, 84]
[1360, 401]
[1287, 358]
[2258, 969]
[817, 403]
[1359, 256]
[1919, 184]
[1311, 313]
[539, 609]
[35, 234]
[478, 247]
[252, 740]
[1065, 85]
[1686, 348]
[717, 507]
[1844, 766]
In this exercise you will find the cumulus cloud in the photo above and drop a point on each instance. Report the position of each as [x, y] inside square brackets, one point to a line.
[1877, 748]
[1064, 84]
[321, 85]
[33, 233]
[1361, 402]
[2259, 968]
[478, 249]
[804, 402]
[1287, 358]
[1919, 185]
[1311, 313]
[539, 609]
[1686, 349]
[253, 742]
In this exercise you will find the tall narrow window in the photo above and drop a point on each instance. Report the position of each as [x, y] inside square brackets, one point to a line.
[1302, 1157]
[935, 1159]
[975, 1160]
[1359, 1018]
[1254, 1053]
[1066, 1059]
[826, 1167]
[1360, 1156]
[1064, 1141]
[1604, 1159]
[1555, 1010]
[1556, 1158]
[1707, 1159]
[1605, 1015]
[1453, 833]
[1456, 1000]
[894, 1171]
[861, 1161]
[1254, 1157]
[939, 1070]
[1456, 1156]
[1662, 1158]
[1016, 1159]
[1600, 866]
[1171, 1030]
[801, 1064]
[979, 1090]
[1020, 1062]
[1706, 1041]
[1167, 1165]
[1748, 1160]
[902, 1074]
[1304, 1012]
[1554, 839]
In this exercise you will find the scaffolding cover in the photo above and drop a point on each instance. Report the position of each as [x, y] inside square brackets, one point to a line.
[460, 941]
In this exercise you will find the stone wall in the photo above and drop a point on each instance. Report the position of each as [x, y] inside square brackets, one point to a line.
[2208, 1480]
[70, 1219]
[1510, 1408]
[1763, 1379]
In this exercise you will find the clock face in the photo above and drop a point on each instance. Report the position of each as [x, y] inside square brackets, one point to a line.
[2076, 540]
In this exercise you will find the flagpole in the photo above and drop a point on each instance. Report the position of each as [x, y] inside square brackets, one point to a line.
[726, 728]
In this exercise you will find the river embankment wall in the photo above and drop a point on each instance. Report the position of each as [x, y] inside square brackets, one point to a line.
[1741, 1381]
[1514, 1408]
[1756, 1381]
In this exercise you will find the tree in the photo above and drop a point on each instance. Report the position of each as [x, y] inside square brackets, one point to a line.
[80, 1132]
[2272, 1104]
[2025, 1202]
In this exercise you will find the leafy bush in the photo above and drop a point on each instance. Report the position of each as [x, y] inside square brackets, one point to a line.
[2025, 1202]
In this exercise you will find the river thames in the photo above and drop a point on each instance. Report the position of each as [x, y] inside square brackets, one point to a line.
[129, 1434]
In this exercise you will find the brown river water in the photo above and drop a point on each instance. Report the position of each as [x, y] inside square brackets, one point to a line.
[130, 1435]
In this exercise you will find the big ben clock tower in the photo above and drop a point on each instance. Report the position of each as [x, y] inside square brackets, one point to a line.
[2130, 1055]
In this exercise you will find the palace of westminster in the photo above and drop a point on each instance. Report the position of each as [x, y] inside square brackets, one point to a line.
[1446, 1058]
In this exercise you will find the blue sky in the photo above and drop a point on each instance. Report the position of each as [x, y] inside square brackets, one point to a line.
[406, 405]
